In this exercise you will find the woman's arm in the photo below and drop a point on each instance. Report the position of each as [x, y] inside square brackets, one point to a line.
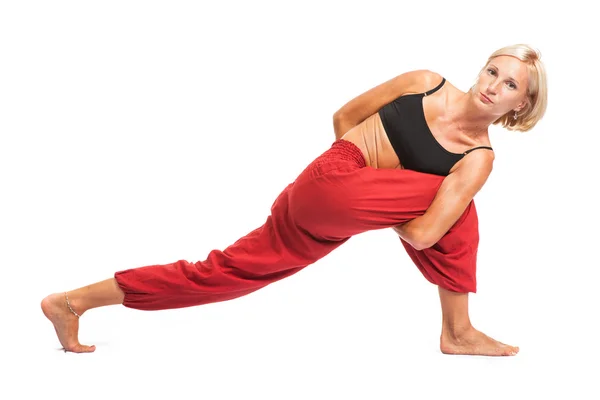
[453, 197]
[363, 106]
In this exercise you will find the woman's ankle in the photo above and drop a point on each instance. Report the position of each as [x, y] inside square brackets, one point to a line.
[456, 329]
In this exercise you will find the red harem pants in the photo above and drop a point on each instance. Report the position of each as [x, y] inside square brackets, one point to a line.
[336, 197]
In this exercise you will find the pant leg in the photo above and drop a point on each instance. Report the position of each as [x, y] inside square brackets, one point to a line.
[276, 250]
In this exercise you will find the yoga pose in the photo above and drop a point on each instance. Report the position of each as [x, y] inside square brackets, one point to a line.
[410, 154]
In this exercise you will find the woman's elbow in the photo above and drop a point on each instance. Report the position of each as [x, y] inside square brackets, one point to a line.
[420, 246]
[425, 241]
[418, 242]
[412, 234]
[339, 117]
[428, 241]
[341, 125]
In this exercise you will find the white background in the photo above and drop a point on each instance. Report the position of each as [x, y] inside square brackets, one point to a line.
[144, 132]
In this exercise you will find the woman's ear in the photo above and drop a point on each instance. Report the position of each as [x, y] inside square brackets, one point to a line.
[522, 105]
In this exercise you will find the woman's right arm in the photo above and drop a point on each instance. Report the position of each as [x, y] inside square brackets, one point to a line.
[453, 197]
[368, 103]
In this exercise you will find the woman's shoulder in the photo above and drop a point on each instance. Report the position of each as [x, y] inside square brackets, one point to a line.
[424, 80]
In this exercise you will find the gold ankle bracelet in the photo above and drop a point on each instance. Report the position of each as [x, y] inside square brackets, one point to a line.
[69, 305]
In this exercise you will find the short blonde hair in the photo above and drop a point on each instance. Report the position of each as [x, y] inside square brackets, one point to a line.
[537, 91]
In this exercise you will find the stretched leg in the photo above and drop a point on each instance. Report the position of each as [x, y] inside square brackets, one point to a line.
[276, 250]
[459, 336]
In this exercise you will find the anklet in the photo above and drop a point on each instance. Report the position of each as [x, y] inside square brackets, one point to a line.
[69, 305]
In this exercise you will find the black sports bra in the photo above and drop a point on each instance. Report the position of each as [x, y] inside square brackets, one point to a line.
[404, 122]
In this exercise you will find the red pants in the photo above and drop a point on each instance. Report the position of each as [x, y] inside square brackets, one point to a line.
[335, 197]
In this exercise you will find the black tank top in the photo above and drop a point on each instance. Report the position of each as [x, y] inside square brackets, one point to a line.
[406, 127]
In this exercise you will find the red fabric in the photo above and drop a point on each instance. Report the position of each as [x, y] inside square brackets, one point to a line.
[336, 197]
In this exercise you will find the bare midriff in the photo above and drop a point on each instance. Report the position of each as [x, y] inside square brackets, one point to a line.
[372, 140]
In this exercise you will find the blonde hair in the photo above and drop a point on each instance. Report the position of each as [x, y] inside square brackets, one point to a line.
[537, 90]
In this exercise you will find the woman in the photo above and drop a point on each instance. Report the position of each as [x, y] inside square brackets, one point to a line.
[410, 154]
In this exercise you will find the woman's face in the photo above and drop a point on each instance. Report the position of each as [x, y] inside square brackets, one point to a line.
[502, 85]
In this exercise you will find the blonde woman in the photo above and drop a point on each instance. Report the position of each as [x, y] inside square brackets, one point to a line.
[410, 154]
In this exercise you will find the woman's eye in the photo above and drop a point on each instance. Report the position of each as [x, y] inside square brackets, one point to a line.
[491, 71]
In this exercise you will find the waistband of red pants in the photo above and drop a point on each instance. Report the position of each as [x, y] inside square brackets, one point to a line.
[346, 150]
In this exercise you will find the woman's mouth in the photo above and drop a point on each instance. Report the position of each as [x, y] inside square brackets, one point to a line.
[486, 99]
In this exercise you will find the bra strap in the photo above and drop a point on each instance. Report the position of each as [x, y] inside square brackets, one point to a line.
[475, 148]
[436, 88]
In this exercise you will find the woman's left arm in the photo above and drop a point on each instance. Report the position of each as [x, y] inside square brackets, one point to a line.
[450, 202]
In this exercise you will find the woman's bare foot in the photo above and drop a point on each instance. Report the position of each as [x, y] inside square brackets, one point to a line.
[66, 324]
[473, 342]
